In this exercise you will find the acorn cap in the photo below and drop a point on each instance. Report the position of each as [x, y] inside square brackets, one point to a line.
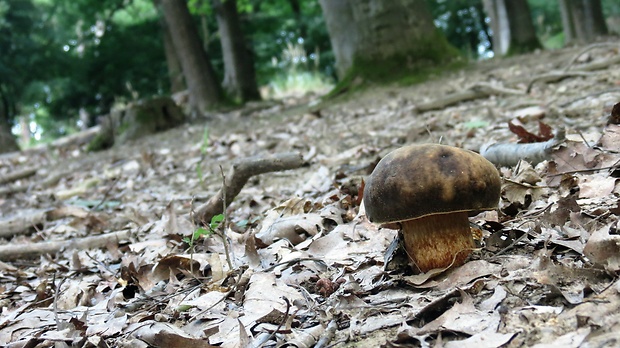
[421, 180]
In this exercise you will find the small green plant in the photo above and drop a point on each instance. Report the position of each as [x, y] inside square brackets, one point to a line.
[203, 152]
[216, 221]
[205, 141]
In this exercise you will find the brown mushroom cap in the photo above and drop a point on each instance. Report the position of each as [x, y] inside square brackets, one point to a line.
[420, 180]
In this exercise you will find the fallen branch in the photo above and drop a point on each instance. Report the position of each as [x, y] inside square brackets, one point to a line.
[22, 224]
[25, 223]
[509, 154]
[18, 174]
[238, 175]
[8, 190]
[589, 48]
[477, 91]
[12, 252]
[584, 70]
[555, 76]
[77, 139]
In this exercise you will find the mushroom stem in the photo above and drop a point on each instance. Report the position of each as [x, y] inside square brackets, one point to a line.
[438, 241]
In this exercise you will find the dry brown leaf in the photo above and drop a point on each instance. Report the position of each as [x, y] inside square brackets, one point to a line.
[603, 248]
[610, 140]
[596, 185]
[295, 228]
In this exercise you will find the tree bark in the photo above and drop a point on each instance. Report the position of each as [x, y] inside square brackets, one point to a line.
[175, 73]
[383, 36]
[513, 29]
[583, 20]
[567, 22]
[239, 73]
[204, 90]
[8, 143]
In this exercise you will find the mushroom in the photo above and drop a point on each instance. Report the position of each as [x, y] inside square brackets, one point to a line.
[430, 190]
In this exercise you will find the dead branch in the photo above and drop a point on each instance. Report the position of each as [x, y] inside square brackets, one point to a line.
[509, 154]
[477, 91]
[584, 70]
[12, 252]
[18, 174]
[5, 191]
[239, 173]
[589, 48]
[555, 76]
[76, 139]
[22, 224]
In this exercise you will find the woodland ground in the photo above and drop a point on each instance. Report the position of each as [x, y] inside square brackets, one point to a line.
[308, 269]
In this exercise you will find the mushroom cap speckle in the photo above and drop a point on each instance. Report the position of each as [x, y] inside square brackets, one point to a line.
[419, 180]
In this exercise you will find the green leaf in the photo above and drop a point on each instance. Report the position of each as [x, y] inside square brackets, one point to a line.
[201, 232]
[205, 141]
[216, 221]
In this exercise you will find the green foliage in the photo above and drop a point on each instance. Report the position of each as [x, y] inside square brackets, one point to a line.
[62, 56]
[274, 29]
[547, 21]
[298, 84]
[463, 22]
[200, 232]
[205, 141]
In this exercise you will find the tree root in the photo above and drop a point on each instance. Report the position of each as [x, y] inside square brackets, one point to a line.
[238, 175]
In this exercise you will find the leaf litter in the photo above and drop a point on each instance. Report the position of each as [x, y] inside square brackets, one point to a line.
[295, 262]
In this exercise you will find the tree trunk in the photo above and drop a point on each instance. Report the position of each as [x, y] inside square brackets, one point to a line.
[582, 20]
[567, 22]
[175, 73]
[379, 38]
[7, 140]
[496, 10]
[239, 74]
[204, 90]
[513, 29]
[296, 8]
[8, 143]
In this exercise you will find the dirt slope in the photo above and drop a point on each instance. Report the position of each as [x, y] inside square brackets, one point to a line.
[97, 248]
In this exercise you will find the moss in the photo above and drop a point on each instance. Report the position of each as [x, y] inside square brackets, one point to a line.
[100, 142]
[430, 56]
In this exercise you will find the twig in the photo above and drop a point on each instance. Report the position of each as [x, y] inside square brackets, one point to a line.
[296, 260]
[11, 252]
[555, 76]
[586, 170]
[328, 335]
[588, 48]
[480, 90]
[223, 231]
[274, 332]
[232, 288]
[105, 195]
[239, 174]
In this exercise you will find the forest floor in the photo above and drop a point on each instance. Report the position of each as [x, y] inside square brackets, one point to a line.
[98, 248]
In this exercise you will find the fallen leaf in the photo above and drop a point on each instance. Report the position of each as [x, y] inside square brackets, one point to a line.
[603, 248]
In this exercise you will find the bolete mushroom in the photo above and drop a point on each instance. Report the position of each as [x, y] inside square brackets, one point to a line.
[430, 190]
